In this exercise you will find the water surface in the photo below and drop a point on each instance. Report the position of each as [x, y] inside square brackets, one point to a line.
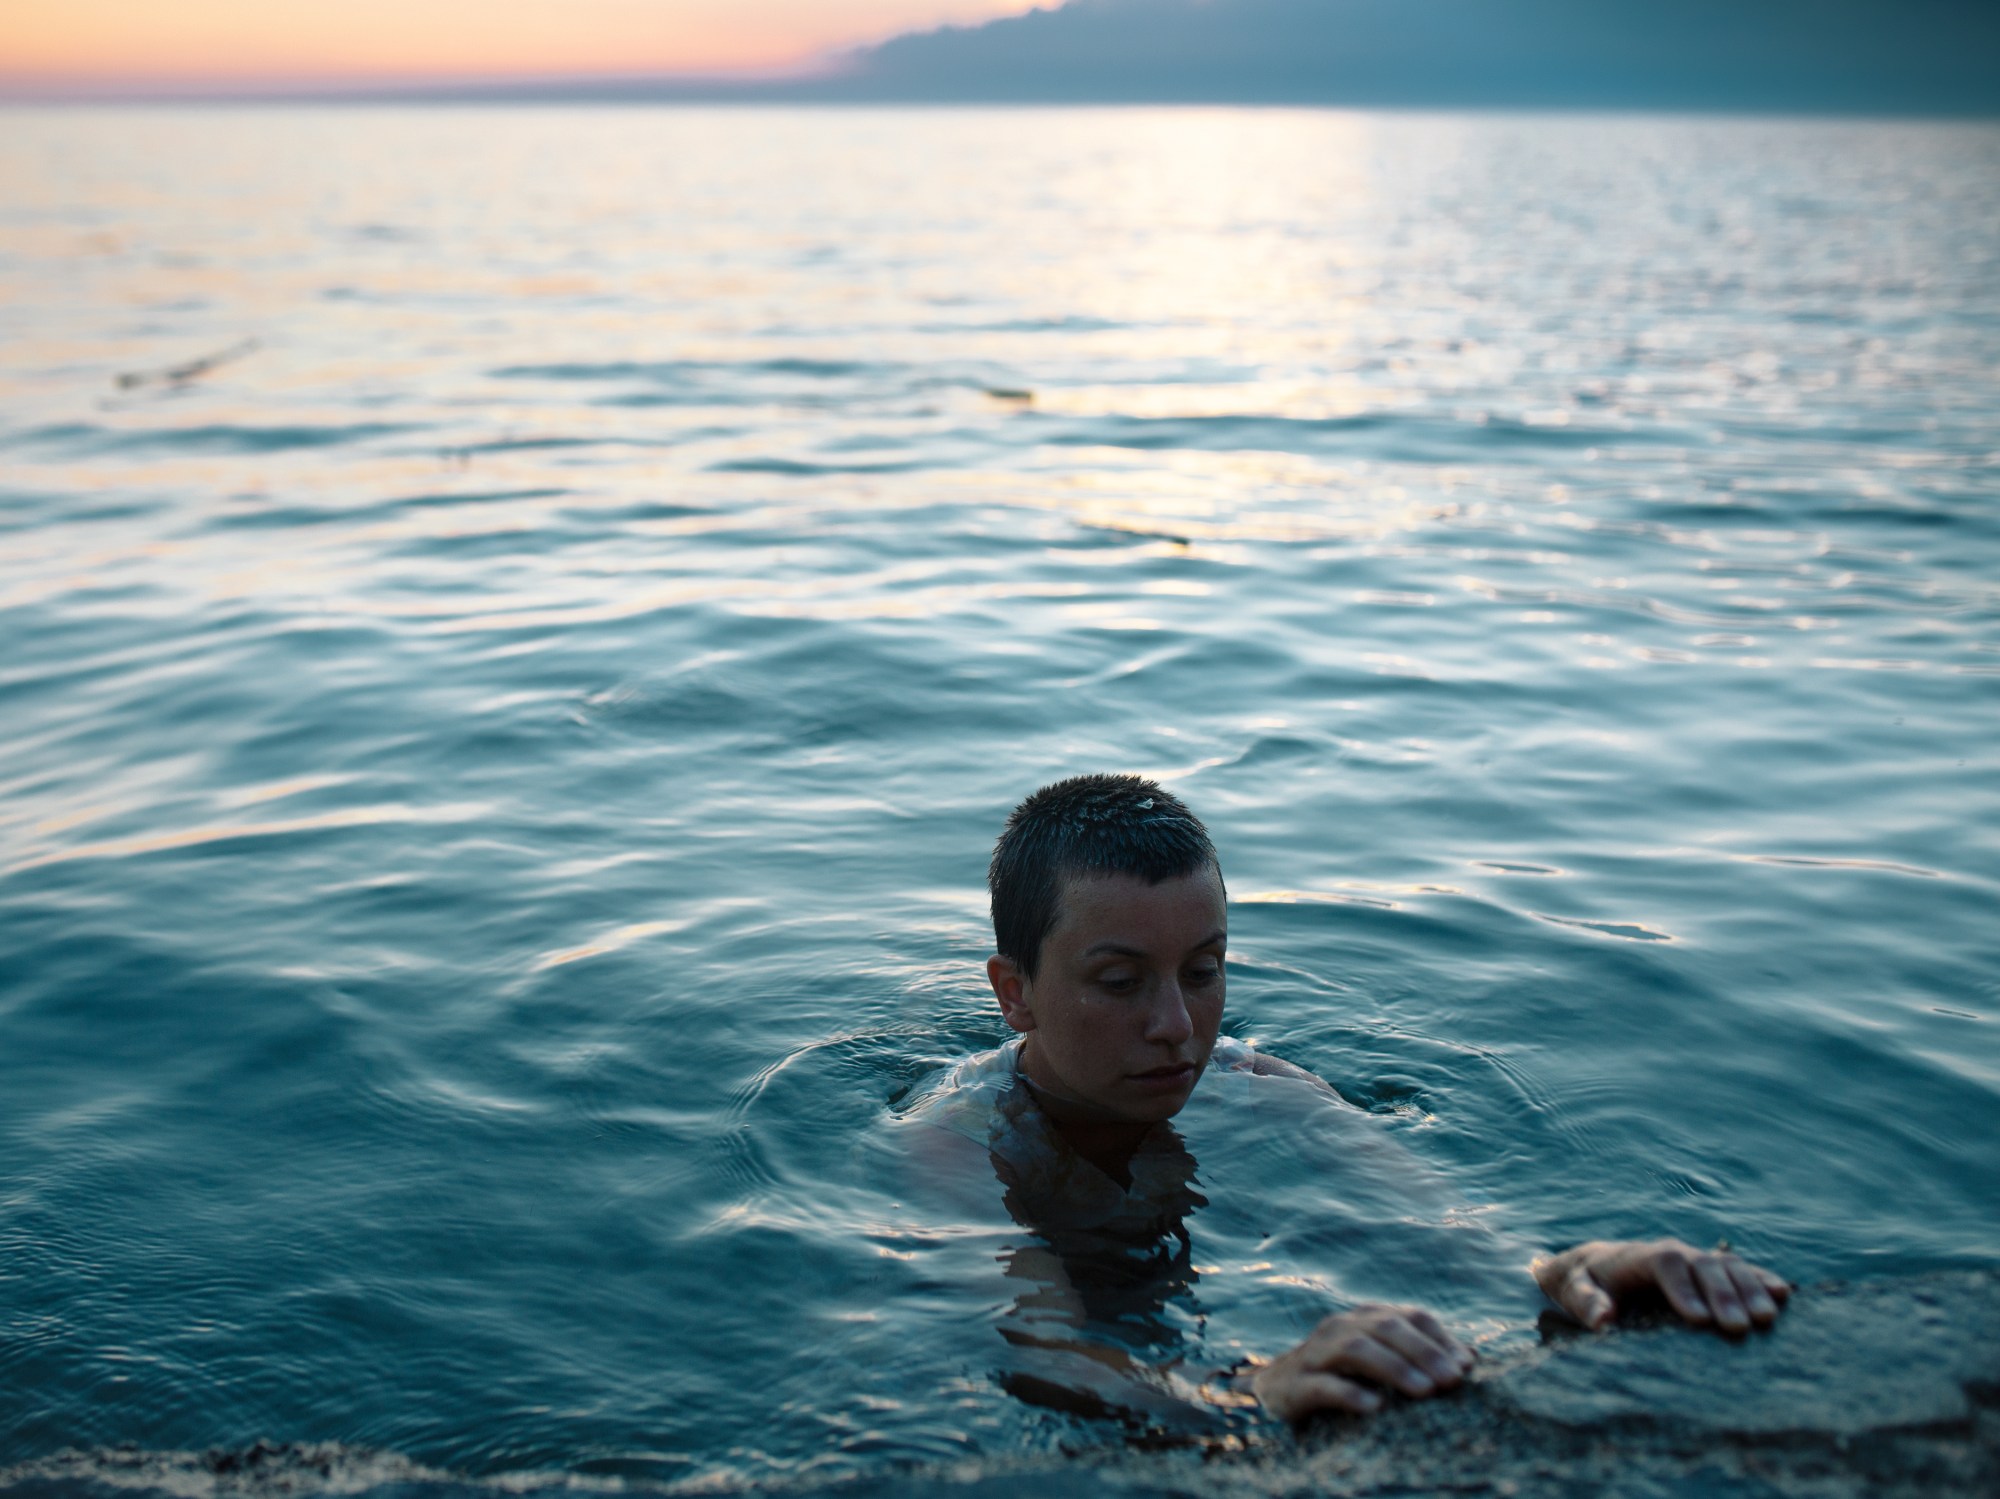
[518, 629]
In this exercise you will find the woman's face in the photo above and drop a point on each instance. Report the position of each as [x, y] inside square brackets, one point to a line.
[1123, 1011]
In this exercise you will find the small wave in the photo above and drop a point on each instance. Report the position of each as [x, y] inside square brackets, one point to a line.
[619, 370]
[85, 439]
[610, 942]
[1310, 897]
[1884, 865]
[792, 467]
[1074, 323]
[1552, 1105]
[673, 372]
[225, 833]
[815, 369]
[1377, 434]
[278, 517]
[527, 444]
[1625, 931]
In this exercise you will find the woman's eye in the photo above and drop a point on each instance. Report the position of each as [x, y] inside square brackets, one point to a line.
[1118, 981]
[1206, 973]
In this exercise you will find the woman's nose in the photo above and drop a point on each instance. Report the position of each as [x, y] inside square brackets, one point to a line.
[1169, 1021]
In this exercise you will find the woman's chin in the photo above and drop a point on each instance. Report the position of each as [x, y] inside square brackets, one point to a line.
[1151, 1097]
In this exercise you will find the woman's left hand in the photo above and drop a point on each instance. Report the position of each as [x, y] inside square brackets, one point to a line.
[1708, 1288]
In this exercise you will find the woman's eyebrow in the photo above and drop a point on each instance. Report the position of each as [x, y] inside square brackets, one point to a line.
[1122, 950]
[1117, 948]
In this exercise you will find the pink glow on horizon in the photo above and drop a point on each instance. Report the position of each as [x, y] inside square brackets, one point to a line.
[276, 42]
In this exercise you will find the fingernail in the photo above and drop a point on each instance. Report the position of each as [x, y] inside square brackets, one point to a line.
[1368, 1400]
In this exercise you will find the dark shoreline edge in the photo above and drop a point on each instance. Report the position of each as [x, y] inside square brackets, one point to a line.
[656, 93]
[559, 99]
[1888, 1387]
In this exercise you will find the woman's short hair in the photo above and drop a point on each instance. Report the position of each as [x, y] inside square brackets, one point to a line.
[1087, 826]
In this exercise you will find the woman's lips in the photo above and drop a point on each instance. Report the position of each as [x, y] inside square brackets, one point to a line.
[1165, 1079]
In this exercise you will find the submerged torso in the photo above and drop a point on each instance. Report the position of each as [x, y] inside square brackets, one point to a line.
[985, 1099]
[1299, 1201]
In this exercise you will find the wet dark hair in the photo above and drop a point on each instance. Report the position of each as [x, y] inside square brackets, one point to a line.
[1086, 825]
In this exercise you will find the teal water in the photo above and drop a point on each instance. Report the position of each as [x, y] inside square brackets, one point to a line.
[496, 772]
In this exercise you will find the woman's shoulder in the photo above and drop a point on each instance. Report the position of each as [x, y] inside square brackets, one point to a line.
[962, 1097]
[1231, 1055]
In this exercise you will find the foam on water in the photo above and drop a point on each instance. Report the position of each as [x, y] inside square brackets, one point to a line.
[497, 769]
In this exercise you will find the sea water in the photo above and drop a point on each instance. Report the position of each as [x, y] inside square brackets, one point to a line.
[518, 628]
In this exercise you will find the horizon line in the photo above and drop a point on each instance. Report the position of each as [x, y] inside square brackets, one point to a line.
[726, 98]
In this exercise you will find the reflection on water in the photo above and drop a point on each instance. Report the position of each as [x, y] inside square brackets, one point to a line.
[517, 630]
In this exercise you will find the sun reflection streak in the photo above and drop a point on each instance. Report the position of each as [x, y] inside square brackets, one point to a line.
[214, 833]
[610, 942]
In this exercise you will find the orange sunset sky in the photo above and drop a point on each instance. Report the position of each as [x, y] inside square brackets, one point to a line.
[256, 41]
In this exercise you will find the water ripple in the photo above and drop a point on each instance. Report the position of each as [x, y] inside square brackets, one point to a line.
[496, 787]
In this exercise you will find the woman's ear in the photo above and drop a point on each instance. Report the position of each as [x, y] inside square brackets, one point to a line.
[1010, 987]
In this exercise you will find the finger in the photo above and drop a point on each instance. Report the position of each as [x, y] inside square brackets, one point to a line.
[1322, 1347]
[1676, 1282]
[1550, 1271]
[1441, 1335]
[1579, 1294]
[1327, 1392]
[1750, 1291]
[1425, 1350]
[1386, 1366]
[1719, 1289]
[1779, 1288]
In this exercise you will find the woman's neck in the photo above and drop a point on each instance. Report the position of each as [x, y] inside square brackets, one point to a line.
[1108, 1144]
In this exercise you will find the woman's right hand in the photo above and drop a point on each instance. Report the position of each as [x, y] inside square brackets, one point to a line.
[1402, 1348]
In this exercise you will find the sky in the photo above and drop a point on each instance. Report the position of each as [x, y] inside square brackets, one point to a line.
[1885, 56]
[280, 41]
